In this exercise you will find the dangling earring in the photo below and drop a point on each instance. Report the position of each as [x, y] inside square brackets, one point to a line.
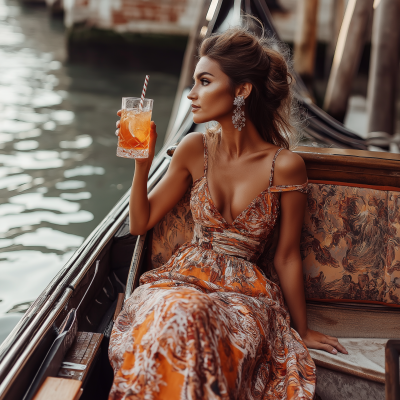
[238, 115]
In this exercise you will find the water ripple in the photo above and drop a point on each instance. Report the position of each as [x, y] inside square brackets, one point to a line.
[84, 170]
[11, 221]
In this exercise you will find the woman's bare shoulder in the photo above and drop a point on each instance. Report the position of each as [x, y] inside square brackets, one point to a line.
[190, 153]
[192, 141]
[190, 146]
[290, 169]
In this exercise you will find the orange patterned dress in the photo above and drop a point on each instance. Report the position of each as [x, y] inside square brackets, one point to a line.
[208, 324]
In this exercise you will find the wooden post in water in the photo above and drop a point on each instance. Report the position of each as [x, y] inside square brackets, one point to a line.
[347, 57]
[305, 40]
[337, 10]
[383, 67]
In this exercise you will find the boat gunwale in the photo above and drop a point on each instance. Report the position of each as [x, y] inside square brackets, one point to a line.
[36, 316]
[32, 345]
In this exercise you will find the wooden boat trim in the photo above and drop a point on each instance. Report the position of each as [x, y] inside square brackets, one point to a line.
[352, 166]
[392, 353]
[26, 354]
[140, 242]
[347, 152]
[135, 263]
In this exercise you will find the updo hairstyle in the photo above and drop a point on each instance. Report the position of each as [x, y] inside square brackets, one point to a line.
[263, 62]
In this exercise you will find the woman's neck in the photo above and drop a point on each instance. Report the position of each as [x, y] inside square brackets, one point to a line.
[235, 143]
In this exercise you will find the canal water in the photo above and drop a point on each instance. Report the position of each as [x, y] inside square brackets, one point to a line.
[59, 175]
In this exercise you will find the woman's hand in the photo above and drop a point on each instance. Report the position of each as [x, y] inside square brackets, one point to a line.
[152, 144]
[319, 341]
[118, 124]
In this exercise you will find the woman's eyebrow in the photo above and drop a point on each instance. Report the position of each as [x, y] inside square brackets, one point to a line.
[203, 73]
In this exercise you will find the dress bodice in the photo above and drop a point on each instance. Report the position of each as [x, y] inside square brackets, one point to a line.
[247, 235]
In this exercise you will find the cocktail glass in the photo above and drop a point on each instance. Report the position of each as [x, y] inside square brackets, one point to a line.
[134, 132]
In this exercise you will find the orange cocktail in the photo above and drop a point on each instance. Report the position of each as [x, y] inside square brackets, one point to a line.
[134, 133]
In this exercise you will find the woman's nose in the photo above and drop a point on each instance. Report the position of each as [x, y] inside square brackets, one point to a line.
[191, 95]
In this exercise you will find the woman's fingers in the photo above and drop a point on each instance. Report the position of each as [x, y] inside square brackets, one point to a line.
[319, 341]
[153, 133]
[153, 138]
[152, 145]
[328, 348]
[333, 341]
[118, 123]
[153, 128]
[340, 347]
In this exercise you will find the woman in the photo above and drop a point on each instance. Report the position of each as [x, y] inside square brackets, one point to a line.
[208, 324]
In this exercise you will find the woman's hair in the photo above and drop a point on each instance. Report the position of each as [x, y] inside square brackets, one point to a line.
[263, 62]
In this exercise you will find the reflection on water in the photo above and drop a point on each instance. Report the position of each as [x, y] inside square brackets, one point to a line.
[57, 151]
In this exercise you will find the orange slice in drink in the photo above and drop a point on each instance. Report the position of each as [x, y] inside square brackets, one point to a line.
[139, 126]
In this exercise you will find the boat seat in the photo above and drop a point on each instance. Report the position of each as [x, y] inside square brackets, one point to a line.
[366, 358]
[350, 243]
[350, 247]
[59, 389]
[81, 356]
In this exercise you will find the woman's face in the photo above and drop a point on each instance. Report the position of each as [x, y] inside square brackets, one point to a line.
[211, 95]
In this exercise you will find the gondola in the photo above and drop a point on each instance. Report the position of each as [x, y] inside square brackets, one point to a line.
[350, 248]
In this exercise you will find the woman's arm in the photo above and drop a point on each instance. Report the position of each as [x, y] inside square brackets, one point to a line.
[290, 170]
[145, 211]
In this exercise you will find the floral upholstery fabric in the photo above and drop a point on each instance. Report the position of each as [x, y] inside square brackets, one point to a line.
[174, 229]
[350, 243]
[392, 268]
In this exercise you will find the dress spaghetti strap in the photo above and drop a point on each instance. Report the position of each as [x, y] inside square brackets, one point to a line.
[303, 188]
[205, 154]
[273, 166]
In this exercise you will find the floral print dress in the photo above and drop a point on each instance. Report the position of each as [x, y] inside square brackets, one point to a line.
[208, 324]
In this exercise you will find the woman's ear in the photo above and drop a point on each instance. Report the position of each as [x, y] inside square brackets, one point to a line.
[244, 90]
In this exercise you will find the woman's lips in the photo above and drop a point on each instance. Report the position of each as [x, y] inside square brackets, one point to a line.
[195, 108]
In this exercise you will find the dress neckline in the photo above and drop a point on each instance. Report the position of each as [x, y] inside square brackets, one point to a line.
[211, 201]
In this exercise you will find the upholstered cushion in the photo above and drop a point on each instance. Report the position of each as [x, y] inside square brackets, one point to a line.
[174, 229]
[366, 358]
[350, 247]
[350, 243]
[392, 276]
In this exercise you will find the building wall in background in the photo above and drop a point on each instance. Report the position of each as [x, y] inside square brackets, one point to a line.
[173, 17]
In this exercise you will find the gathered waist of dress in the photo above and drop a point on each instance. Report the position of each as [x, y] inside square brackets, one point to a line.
[227, 243]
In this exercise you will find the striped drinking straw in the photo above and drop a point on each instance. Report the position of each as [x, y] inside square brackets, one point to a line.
[144, 91]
